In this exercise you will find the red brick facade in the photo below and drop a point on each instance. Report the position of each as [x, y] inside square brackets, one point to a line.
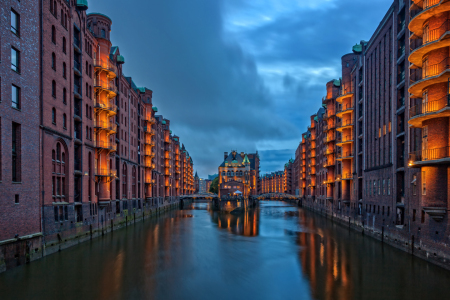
[96, 153]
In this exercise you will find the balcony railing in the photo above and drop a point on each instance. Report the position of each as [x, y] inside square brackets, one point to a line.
[343, 123]
[105, 125]
[429, 106]
[77, 89]
[110, 106]
[105, 145]
[345, 90]
[430, 154]
[429, 3]
[344, 108]
[105, 172]
[343, 139]
[148, 129]
[106, 65]
[436, 69]
[435, 34]
[105, 85]
[345, 154]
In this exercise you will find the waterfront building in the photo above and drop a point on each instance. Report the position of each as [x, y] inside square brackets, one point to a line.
[274, 182]
[239, 172]
[353, 159]
[96, 153]
[20, 116]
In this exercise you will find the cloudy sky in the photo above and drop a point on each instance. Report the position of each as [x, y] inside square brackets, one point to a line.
[238, 74]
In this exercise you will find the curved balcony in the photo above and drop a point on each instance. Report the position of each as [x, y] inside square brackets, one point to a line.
[108, 87]
[328, 164]
[344, 124]
[344, 94]
[344, 109]
[148, 163]
[428, 157]
[329, 114]
[109, 107]
[433, 74]
[429, 110]
[434, 39]
[106, 146]
[151, 120]
[329, 127]
[107, 66]
[168, 141]
[348, 139]
[345, 176]
[148, 181]
[149, 130]
[329, 151]
[105, 125]
[328, 181]
[329, 139]
[345, 155]
[105, 172]
[149, 153]
[149, 142]
[430, 8]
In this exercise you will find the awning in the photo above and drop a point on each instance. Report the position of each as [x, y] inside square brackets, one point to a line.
[238, 192]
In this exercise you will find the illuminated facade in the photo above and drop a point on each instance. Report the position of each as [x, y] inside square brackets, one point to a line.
[239, 172]
[105, 156]
[274, 182]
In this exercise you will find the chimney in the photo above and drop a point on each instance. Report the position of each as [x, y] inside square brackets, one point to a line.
[225, 155]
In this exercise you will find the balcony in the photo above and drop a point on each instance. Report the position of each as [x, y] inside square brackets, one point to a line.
[108, 106]
[329, 151]
[329, 164]
[432, 74]
[344, 140]
[106, 86]
[344, 93]
[329, 138]
[148, 180]
[420, 16]
[429, 110]
[106, 145]
[150, 119]
[344, 124]
[105, 125]
[149, 130]
[431, 40]
[329, 114]
[344, 109]
[148, 164]
[77, 91]
[105, 172]
[345, 155]
[168, 141]
[149, 153]
[345, 176]
[149, 142]
[329, 127]
[106, 65]
[429, 157]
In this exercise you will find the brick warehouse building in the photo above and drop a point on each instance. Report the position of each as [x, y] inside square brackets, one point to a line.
[384, 146]
[239, 172]
[97, 154]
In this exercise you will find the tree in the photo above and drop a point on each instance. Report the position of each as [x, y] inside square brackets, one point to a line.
[214, 188]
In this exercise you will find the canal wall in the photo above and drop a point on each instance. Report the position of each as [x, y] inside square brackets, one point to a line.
[400, 238]
[17, 252]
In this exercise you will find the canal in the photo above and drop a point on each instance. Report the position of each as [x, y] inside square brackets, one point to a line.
[276, 251]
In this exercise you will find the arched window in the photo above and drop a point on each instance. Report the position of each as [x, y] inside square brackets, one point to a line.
[53, 34]
[64, 96]
[55, 9]
[64, 44]
[53, 61]
[228, 173]
[87, 69]
[232, 173]
[103, 33]
[65, 20]
[53, 115]
[87, 111]
[64, 121]
[223, 173]
[54, 89]
[51, 6]
[240, 173]
[62, 17]
[64, 70]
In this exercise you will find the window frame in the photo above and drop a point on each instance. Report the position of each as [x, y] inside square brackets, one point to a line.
[17, 65]
[16, 28]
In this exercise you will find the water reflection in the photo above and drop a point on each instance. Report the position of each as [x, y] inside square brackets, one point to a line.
[275, 251]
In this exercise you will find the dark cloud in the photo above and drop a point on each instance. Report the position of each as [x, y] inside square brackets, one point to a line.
[211, 81]
[274, 160]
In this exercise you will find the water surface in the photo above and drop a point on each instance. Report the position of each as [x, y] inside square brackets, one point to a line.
[276, 251]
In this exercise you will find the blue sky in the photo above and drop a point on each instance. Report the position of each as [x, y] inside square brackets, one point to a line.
[238, 74]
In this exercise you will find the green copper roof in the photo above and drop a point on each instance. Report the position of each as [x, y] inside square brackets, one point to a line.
[316, 118]
[141, 89]
[357, 49]
[155, 109]
[324, 105]
[337, 82]
[82, 4]
[175, 139]
[246, 160]
[234, 161]
[120, 59]
[170, 131]
[164, 122]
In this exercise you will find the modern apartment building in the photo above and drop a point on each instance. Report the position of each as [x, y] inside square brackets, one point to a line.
[87, 149]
